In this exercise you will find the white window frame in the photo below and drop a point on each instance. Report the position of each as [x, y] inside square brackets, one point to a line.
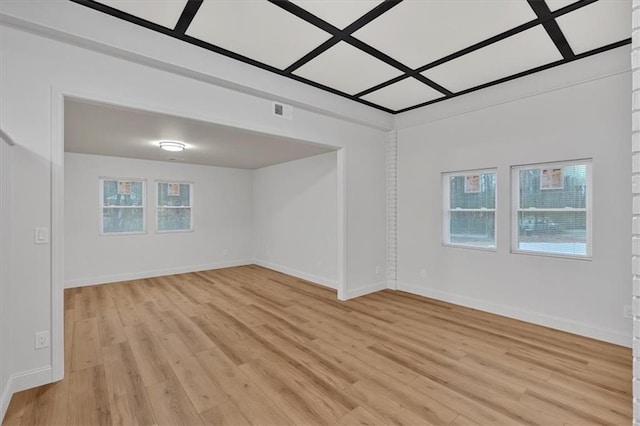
[515, 207]
[101, 181]
[158, 207]
[446, 209]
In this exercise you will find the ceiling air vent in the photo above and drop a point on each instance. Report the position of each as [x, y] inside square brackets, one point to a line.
[282, 111]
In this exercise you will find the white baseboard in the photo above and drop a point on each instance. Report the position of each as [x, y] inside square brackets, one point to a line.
[5, 398]
[368, 289]
[151, 274]
[570, 326]
[327, 282]
[21, 381]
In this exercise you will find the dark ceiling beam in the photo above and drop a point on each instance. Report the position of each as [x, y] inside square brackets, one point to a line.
[189, 12]
[338, 35]
[571, 7]
[124, 16]
[382, 85]
[396, 64]
[551, 27]
[305, 15]
[345, 35]
[315, 52]
[480, 45]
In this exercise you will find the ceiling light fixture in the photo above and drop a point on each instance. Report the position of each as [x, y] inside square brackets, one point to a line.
[172, 146]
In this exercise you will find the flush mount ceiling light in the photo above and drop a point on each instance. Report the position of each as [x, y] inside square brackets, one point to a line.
[172, 146]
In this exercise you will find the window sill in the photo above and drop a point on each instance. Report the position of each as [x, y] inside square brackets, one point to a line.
[554, 255]
[464, 246]
[177, 231]
[117, 234]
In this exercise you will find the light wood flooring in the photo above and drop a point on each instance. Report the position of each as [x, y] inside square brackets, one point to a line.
[251, 346]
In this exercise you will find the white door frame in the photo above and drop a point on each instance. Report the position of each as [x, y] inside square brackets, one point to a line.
[58, 96]
[5, 285]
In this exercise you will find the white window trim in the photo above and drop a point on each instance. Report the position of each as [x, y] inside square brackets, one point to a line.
[158, 207]
[515, 208]
[101, 180]
[446, 209]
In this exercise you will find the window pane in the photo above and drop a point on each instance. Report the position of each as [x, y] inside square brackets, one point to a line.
[116, 220]
[174, 219]
[472, 228]
[473, 192]
[178, 196]
[553, 232]
[539, 188]
[127, 196]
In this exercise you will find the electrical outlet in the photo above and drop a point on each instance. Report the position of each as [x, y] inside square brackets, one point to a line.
[423, 273]
[225, 252]
[377, 269]
[41, 236]
[42, 340]
[627, 311]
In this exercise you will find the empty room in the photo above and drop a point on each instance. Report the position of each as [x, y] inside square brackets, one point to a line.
[305, 212]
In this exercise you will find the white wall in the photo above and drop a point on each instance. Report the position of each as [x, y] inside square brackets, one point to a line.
[222, 221]
[588, 120]
[295, 218]
[35, 70]
[635, 179]
[5, 275]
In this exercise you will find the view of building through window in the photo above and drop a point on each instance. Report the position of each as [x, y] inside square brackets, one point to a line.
[470, 218]
[552, 209]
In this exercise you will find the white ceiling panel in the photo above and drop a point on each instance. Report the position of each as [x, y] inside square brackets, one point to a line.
[403, 94]
[524, 51]
[256, 29]
[340, 14]
[161, 12]
[419, 32]
[559, 4]
[347, 69]
[596, 25]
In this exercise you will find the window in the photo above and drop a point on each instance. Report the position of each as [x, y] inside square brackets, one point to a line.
[122, 205]
[469, 201]
[175, 202]
[552, 208]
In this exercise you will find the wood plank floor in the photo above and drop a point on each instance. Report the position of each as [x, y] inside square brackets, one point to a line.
[251, 346]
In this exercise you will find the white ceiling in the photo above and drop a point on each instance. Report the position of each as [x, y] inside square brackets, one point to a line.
[347, 69]
[265, 33]
[338, 13]
[92, 128]
[609, 18]
[419, 32]
[512, 55]
[403, 94]
[395, 54]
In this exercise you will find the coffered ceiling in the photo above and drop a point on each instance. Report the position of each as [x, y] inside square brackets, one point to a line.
[393, 55]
